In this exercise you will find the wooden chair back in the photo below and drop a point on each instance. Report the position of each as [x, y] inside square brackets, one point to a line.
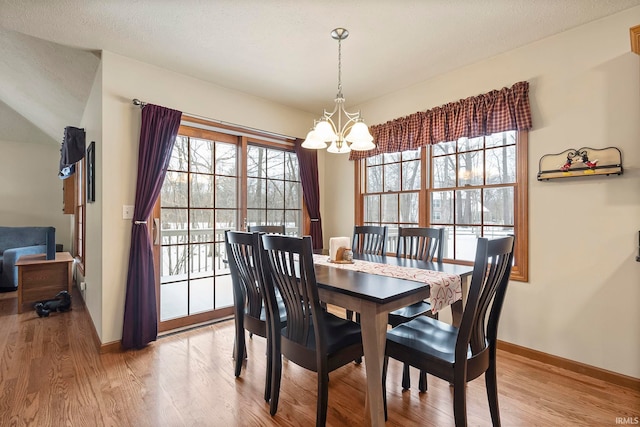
[421, 243]
[491, 271]
[288, 269]
[243, 256]
[269, 229]
[243, 263]
[369, 239]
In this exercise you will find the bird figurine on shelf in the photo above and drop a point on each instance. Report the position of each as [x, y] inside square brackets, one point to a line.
[588, 163]
[567, 164]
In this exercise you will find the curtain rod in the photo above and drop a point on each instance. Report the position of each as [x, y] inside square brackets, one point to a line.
[142, 104]
[139, 103]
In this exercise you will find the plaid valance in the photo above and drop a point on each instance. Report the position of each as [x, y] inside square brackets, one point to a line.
[492, 112]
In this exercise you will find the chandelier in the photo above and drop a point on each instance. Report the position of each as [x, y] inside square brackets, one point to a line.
[353, 134]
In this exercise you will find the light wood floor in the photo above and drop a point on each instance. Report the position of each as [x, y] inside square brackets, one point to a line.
[51, 375]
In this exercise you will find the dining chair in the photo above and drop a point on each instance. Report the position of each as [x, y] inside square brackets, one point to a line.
[269, 229]
[313, 338]
[368, 239]
[243, 253]
[424, 244]
[460, 355]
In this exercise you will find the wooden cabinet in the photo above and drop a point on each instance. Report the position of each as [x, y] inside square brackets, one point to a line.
[69, 194]
[40, 279]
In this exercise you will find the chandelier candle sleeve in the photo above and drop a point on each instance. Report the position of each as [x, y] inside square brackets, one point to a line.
[353, 134]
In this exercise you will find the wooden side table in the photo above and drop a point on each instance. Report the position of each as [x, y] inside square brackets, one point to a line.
[41, 279]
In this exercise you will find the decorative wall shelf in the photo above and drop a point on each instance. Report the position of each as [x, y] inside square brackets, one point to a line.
[584, 161]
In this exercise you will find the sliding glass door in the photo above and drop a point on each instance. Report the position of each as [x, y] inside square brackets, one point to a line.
[215, 182]
[198, 203]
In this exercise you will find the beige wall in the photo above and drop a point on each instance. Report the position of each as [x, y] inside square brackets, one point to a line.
[30, 190]
[338, 213]
[581, 301]
[93, 266]
[122, 80]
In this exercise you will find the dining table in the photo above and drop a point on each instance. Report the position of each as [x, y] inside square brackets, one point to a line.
[374, 296]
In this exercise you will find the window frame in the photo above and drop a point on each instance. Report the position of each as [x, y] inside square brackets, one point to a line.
[520, 268]
[245, 177]
[80, 215]
[398, 193]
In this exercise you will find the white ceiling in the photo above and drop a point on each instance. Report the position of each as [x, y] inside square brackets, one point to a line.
[275, 49]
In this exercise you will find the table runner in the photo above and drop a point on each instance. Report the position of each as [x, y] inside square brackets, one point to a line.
[445, 288]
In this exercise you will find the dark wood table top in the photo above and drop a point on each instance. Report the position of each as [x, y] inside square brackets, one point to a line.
[376, 288]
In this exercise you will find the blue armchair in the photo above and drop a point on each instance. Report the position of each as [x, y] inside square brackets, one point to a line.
[18, 241]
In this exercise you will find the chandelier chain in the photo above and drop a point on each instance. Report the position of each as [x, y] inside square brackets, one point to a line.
[339, 68]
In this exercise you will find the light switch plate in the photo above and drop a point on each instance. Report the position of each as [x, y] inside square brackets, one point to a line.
[127, 212]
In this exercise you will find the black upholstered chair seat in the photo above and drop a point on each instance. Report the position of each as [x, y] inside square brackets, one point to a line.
[428, 336]
[281, 309]
[258, 326]
[412, 311]
[341, 333]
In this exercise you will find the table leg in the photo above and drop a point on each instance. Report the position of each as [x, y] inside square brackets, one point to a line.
[456, 313]
[374, 336]
[457, 308]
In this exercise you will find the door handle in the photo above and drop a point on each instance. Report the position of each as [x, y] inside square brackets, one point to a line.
[156, 231]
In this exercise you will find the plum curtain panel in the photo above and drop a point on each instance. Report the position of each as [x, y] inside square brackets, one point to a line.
[308, 164]
[492, 112]
[158, 133]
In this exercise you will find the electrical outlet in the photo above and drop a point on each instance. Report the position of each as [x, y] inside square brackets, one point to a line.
[83, 286]
[127, 212]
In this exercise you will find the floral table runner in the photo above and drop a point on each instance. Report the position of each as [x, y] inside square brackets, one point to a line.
[445, 288]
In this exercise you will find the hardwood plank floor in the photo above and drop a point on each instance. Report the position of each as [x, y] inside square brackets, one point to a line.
[52, 375]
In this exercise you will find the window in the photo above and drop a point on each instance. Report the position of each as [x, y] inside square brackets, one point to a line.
[273, 188]
[476, 188]
[393, 186]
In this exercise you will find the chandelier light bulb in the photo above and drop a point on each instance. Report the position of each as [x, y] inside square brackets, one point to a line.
[333, 148]
[324, 131]
[313, 142]
[360, 138]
